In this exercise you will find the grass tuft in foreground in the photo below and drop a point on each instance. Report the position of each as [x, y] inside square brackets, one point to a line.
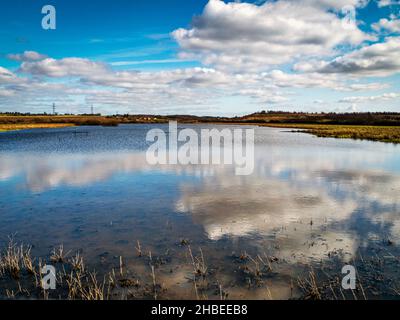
[20, 277]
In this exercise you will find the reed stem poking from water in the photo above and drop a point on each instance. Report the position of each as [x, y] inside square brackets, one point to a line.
[28, 261]
[200, 271]
[77, 263]
[121, 265]
[58, 255]
[153, 275]
[139, 249]
[359, 280]
[309, 286]
[199, 265]
[268, 292]
[10, 261]
[223, 296]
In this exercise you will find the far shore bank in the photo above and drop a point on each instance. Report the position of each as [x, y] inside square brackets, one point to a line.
[382, 127]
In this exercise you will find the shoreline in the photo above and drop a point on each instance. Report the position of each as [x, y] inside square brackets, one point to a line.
[375, 127]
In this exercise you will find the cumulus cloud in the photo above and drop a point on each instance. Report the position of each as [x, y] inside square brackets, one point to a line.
[8, 79]
[5, 74]
[280, 79]
[27, 56]
[66, 67]
[95, 73]
[101, 74]
[383, 97]
[263, 95]
[156, 90]
[335, 4]
[379, 59]
[291, 80]
[386, 3]
[6, 93]
[390, 25]
[127, 89]
[247, 36]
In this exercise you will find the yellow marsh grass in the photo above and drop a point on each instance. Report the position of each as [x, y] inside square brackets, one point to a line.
[373, 133]
[16, 127]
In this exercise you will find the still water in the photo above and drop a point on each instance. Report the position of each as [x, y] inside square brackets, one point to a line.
[91, 189]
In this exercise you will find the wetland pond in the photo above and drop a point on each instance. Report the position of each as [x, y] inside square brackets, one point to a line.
[311, 206]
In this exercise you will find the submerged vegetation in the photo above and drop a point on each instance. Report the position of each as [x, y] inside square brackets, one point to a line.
[253, 276]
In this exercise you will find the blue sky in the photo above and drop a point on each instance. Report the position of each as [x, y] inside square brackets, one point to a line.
[100, 30]
[200, 57]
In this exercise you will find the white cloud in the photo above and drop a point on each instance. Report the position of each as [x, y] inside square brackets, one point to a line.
[386, 3]
[127, 89]
[335, 4]
[379, 59]
[66, 67]
[163, 89]
[365, 86]
[383, 97]
[281, 79]
[249, 37]
[6, 93]
[95, 73]
[263, 95]
[5, 75]
[27, 56]
[140, 62]
[291, 80]
[8, 81]
[392, 25]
